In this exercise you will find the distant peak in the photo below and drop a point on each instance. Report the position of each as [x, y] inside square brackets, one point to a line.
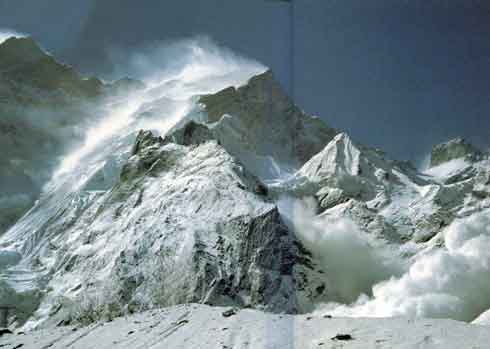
[17, 50]
[454, 149]
[342, 137]
[26, 44]
[265, 76]
[264, 80]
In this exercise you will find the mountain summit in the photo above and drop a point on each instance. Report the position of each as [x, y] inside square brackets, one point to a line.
[15, 51]
[276, 137]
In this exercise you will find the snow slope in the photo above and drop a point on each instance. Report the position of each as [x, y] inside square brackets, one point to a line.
[199, 326]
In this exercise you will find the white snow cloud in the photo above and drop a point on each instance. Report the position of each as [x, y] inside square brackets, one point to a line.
[450, 282]
[352, 264]
[173, 73]
[186, 67]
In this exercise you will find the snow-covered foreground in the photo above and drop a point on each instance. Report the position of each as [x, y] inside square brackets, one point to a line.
[199, 326]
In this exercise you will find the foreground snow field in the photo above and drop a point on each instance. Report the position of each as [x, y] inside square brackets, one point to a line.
[199, 326]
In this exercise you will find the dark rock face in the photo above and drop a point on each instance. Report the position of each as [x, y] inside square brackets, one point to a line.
[265, 123]
[23, 63]
[41, 103]
[190, 133]
[16, 51]
[5, 331]
[23, 165]
[253, 267]
[454, 149]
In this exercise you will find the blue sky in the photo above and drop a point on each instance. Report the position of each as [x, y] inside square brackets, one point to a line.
[396, 74]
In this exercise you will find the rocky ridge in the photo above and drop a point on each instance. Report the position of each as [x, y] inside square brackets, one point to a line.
[454, 149]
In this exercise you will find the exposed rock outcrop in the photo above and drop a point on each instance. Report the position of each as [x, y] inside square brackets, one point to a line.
[454, 149]
[42, 105]
[24, 65]
[259, 124]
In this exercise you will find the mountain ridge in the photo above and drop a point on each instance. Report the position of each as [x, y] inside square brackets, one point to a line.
[181, 200]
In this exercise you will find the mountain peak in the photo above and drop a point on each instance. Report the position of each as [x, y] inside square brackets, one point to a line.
[454, 149]
[263, 88]
[339, 157]
[267, 76]
[24, 63]
[19, 50]
[270, 126]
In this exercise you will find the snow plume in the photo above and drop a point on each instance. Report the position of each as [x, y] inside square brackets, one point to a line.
[351, 262]
[450, 282]
[173, 73]
[8, 33]
[186, 67]
[423, 163]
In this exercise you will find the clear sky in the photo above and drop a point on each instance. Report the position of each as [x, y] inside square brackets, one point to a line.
[401, 75]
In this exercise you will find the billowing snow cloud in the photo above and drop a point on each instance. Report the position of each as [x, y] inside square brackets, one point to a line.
[173, 72]
[451, 282]
[186, 67]
[368, 280]
[351, 261]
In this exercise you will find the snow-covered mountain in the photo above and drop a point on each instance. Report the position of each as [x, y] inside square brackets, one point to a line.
[210, 186]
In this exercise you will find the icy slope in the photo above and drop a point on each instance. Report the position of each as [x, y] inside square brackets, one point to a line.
[200, 326]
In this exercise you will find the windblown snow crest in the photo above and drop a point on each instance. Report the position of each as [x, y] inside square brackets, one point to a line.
[172, 76]
[8, 33]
